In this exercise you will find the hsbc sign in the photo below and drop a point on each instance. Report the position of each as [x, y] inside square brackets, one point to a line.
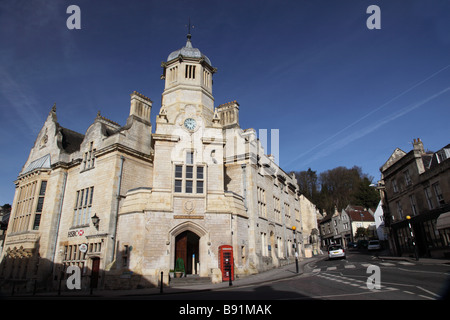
[75, 233]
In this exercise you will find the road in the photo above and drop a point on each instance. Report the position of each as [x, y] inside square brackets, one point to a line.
[344, 279]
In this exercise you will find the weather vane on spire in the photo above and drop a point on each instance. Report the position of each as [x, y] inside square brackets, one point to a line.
[189, 27]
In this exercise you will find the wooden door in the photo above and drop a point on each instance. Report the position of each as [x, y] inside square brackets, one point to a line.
[181, 248]
[95, 272]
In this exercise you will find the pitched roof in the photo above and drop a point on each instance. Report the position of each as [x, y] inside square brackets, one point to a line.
[358, 214]
[42, 162]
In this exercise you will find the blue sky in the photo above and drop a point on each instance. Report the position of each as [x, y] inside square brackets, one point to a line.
[339, 93]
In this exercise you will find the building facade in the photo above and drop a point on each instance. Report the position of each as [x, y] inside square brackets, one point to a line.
[341, 227]
[124, 203]
[416, 185]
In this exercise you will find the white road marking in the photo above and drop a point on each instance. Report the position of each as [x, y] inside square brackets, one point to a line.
[408, 292]
[387, 264]
[331, 268]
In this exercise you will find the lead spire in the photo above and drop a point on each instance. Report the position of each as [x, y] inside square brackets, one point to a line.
[189, 29]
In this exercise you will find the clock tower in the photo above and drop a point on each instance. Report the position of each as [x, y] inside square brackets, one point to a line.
[188, 82]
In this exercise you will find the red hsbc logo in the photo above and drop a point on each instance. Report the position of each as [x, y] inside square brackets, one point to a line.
[75, 233]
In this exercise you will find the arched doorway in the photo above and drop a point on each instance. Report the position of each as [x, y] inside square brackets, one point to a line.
[187, 248]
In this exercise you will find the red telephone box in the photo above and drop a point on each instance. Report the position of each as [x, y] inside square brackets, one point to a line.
[226, 264]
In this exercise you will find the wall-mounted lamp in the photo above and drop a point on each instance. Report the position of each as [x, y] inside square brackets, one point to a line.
[95, 220]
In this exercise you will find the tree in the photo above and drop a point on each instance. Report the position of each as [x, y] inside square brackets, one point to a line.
[307, 182]
[361, 232]
[336, 188]
[366, 195]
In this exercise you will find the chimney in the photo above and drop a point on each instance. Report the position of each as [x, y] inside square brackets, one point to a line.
[141, 106]
[418, 145]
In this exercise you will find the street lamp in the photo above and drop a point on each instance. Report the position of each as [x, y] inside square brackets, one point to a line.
[412, 237]
[295, 247]
[95, 220]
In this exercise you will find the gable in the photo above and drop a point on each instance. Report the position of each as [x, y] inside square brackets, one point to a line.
[395, 156]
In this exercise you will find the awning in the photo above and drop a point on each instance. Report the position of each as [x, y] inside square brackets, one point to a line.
[443, 221]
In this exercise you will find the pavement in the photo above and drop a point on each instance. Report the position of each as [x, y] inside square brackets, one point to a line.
[280, 273]
[385, 255]
[277, 274]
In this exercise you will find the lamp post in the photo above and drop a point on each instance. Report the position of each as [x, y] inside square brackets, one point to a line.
[295, 248]
[412, 237]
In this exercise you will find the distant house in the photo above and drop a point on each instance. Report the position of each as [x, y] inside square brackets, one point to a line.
[354, 217]
[379, 222]
[342, 227]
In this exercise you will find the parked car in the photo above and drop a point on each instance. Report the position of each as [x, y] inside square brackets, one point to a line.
[336, 251]
[374, 245]
[362, 244]
[352, 245]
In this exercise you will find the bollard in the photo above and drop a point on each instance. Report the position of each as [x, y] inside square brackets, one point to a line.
[161, 289]
[34, 287]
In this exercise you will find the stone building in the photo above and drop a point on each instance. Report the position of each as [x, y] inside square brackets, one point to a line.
[310, 226]
[417, 185]
[341, 227]
[124, 202]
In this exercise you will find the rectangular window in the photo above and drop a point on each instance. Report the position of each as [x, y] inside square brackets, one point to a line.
[429, 197]
[189, 177]
[83, 205]
[189, 157]
[394, 185]
[179, 172]
[40, 204]
[399, 210]
[264, 247]
[199, 173]
[199, 181]
[199, 186]
[188, 186]
[125, 256]
[173, 74]
[277, 209]
[189, 72]
[407, 177]
[178, 178]
[89, 159]
[261, 196]
[287, 210]
[189, 172]
[412, 200]
[178, 185]
[438, 193]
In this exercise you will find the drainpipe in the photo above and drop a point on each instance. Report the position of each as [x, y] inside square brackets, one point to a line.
[114, 219]
[243, 166]
[59, 221]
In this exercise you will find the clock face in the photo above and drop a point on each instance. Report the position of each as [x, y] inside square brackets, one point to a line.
[190, 124]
